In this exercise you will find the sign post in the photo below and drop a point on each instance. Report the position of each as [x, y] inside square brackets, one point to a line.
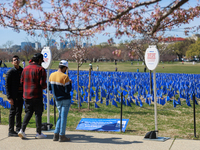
[152, 58]
[47, 57]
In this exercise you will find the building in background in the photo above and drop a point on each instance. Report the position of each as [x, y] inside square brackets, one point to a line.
[38, 45]
[64, 44]
[72, 44]
[86, 44]
[16, 48]
[171, 40]
[52, 43]
[24, 44]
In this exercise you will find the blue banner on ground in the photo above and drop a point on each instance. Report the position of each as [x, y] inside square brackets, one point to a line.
[95, 124]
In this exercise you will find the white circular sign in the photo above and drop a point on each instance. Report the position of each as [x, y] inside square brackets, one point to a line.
[152, 57]
[47, 57]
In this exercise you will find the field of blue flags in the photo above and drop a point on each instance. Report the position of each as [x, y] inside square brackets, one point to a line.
[106, 88]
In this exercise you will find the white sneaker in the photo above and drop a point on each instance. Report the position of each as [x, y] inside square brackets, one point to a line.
[21, 134]
[40, 136]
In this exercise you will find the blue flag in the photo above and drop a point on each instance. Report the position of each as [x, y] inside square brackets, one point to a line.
[128, 103]
[136, 102]
[107, 103]
[168, 99]
[174, 103]
[115, 91]
[141, 104]
[81, 99]
[118, 99]
[130, 100]
[101, 100]
[179, 101]
[123, 102]
[103, 93]
[97, 98]
[114, 103]
[146, 100]
[125, 92]
[188, 102]
[96, 106]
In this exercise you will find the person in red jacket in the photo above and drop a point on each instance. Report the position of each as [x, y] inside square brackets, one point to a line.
[33, 79]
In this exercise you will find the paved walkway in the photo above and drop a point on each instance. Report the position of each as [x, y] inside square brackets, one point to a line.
[91, 141]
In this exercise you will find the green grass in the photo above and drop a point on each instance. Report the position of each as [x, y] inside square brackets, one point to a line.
[172, 122]
[176, 67]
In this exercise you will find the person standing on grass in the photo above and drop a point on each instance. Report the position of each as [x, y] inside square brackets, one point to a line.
[97, 68]
[0, 62]
[14, 94]
[34, 81]
[23, 63]
[145, 69]
[61, 85]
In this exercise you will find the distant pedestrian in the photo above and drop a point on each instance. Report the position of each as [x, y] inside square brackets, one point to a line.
[131, 63]
[91, 66]
[97, 68]
[33, 80]
[4, 65]
[116, 69]
[0, 62]
[23, 63]
[137, 69]
[145, 69]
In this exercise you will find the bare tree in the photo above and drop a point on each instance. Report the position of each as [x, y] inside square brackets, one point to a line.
[27, 51]
[5, 56]
[7, 46]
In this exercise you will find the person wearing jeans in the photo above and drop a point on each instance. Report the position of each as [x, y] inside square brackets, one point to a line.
[63, 109]
[61, 85]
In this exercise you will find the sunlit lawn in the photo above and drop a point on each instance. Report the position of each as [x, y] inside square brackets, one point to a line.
[172, 122]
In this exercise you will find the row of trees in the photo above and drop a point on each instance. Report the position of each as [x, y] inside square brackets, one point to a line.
[133, 50]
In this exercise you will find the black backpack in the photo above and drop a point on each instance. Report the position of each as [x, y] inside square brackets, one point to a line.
[44, 126]
[151, 135]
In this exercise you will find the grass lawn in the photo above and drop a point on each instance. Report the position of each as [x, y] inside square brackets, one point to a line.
[176, 67]
[172, 122]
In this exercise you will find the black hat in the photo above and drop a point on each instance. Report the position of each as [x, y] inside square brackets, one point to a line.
[38, 56]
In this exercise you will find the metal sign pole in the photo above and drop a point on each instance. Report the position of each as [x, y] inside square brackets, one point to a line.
[121, 112]
[48, 97]
[46, 51]
[155, 99]
[152, 59]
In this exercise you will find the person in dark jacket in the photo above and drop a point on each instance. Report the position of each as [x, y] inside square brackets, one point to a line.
[61, 85]
[14, 93]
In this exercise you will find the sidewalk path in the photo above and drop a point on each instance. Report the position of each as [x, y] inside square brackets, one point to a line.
[90, 141]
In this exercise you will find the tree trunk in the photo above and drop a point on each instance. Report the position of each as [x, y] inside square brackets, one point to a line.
[79, 104]
[89, 84]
